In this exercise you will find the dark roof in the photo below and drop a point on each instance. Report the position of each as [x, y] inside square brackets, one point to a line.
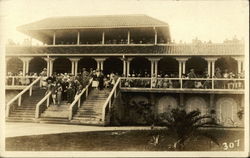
[105, 21]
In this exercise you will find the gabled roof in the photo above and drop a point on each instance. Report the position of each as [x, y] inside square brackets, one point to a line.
[106, 21]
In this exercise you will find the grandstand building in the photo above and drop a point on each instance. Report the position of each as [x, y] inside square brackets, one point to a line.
[139, 49]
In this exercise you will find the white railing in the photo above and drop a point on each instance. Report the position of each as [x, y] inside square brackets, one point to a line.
[39, 104]
[19, 80]
[110, 99]
[78, 98]
[19, 96]
[184, 83]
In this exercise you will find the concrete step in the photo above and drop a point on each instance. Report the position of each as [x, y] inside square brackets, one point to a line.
[19, 119]
[54, 120]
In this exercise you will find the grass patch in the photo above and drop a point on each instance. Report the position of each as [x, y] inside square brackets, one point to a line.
[139, 140]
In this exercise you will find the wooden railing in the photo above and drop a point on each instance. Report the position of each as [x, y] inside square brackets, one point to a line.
[109, 101]
[79, 98]
[19, 96]
[184, 83]
[19, 80]
[40, 106]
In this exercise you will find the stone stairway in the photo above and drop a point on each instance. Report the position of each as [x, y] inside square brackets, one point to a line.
[56, 113]
[26, 112]
[90, 112]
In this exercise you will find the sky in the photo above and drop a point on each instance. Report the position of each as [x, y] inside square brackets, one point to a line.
[207, 20]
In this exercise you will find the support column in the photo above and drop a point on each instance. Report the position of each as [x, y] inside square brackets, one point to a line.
[239, 63]
[26, 61]
[103, 37]
[54, 38]
[155, 36]
[213, 69]
[78, 38]
[51, 62]
[124, 65]
[239, 66]
[128, 37]
[72, 65]
[154, 65]
[100, 63]
[47, 60]
[156, 68]
[128, 65]
[152, 68]
[24, 67]
[182, 65]
[209, 68]
[76, 67]
[210, 62]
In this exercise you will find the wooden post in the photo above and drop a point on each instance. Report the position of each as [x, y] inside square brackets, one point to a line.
[13, 81]
[103, 37]
[30, 91]
[48, 102]
[54, 38]
[79, 102]
[78, 38]
[19, 100]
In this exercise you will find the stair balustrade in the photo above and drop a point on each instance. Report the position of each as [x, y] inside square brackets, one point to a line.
[18, 97]
[109, 101]
[40, 106]
[79, 98]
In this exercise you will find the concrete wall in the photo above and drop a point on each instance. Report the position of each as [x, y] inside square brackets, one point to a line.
[224, 108]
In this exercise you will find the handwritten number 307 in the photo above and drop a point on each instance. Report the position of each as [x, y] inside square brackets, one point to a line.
[231, 145]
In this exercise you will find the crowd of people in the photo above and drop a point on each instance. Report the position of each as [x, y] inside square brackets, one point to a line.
[65, 87]
[20, 79]
[165, 80]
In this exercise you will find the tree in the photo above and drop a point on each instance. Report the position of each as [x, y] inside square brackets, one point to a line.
[185, 125]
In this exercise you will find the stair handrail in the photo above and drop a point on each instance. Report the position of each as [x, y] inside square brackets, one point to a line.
[108, 101]
[19, 96]
[78, 99]
[38, 105]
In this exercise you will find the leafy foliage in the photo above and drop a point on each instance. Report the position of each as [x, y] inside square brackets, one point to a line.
[185, 125]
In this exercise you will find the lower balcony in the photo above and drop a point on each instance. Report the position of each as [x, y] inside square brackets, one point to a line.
[183, 85]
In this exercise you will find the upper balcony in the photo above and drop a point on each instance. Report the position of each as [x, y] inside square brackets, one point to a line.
[130, 49]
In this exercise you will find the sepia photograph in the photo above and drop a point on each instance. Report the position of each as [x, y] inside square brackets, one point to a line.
[124, 78]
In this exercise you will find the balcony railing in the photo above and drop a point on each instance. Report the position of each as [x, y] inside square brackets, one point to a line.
[209, 84]
[173, 49]
[19, 80]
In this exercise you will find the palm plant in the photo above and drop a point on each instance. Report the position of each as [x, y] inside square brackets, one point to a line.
[185, 126]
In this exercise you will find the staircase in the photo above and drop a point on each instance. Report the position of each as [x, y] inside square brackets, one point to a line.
[26, 112]
[56, 114]
[90, 112]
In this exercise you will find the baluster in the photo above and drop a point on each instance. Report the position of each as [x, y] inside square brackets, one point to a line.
[110, 103]
[87, 89]
[30, 90]
[48, 101]
[79, 103]
[115, 93]
[19, 100]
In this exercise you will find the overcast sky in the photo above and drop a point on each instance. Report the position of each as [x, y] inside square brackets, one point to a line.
[207, 20]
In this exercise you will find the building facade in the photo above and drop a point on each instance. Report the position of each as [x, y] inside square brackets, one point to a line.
[138, 47]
